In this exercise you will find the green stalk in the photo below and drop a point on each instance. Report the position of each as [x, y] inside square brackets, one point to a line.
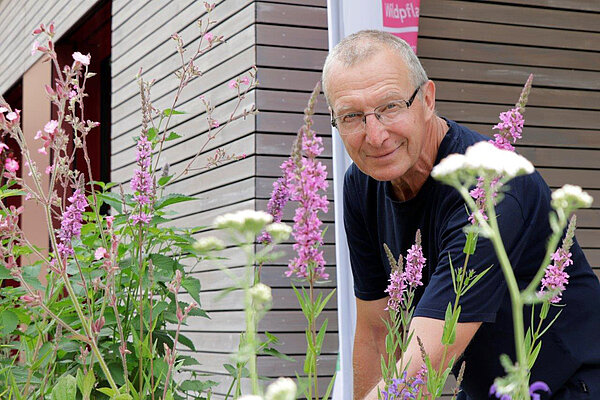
[250, 318]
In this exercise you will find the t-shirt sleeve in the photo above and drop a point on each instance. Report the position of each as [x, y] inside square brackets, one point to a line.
[370, 278]
[482, 301]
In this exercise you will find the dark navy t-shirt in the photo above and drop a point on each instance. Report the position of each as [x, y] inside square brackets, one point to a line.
[373, 217]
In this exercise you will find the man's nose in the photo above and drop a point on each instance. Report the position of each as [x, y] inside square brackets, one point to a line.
[375, 132]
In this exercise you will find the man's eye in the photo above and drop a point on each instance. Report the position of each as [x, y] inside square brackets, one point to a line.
[391, 107]
[350, 118]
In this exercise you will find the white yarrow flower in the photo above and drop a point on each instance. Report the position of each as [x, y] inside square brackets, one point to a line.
[251, 397]
[279, 231]
[261, 294]
[480, 159]
[244, 221]
[209, 243]
[571, 196]
[281, 389]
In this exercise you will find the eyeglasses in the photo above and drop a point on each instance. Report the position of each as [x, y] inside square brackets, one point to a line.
[387, 114]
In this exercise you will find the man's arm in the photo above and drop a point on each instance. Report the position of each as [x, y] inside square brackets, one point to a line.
[369, 344]
[430, 331]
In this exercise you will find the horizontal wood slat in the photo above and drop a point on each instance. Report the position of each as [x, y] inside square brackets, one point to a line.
[514, 74]
[519, 35]
[508, 14]
[577, 5]
[284, 14]
[507, 54]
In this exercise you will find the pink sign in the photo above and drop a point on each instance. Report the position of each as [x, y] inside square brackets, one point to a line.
[401, 18]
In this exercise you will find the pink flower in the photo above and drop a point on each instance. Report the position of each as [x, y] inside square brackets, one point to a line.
[214, 123]
[209, 37]
[3, 109]
[232, 84]
[42, 150]
[50, 126]
[2, 147]
[555, 278]
[395, 290]
[34, 47]
[100, 253]
[109, 221]
[72, 220]
[49, 169]
[245, 80]
[11, 116]
[80, 58]
[414, 265]
[11, 165]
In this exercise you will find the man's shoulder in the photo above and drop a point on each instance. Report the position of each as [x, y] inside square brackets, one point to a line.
[458, 138]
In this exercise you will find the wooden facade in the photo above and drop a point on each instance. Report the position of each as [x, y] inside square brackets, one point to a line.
[478, 53]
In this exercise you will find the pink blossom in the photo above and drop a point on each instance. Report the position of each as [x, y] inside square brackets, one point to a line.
[555, 278]
[100, 253]
[209, 36]
[72, 220]
[42, 150]
[38, 135]
[11, 116]
[80, 58]
[414, 265]
[3, 109]
[51, 126]
[395, 290]
[141, 182]
[232, 84]
[34, 47]
[11, 165]
[214, 123]
[109, 221]
[245, 80]
[49, 169]
[2, 147]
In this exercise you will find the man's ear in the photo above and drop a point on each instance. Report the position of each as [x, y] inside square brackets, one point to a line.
[429, 98]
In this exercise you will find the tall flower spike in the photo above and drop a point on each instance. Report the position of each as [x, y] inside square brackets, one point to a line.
[70, 225]
[308, 180]
[510, 129]
[556, 279]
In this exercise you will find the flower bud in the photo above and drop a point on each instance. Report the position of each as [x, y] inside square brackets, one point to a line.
[209, 243]
[281, 389]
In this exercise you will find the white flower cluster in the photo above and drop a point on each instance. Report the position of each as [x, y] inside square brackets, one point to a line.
[244, 221]
[209, 243]
[261, 294]
[571, 197]
[279, 231]
[281, 389]
[481, 159]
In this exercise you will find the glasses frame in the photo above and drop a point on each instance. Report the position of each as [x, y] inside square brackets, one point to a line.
[377, 115]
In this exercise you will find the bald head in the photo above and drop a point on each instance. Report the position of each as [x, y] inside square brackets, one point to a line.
[363, 44]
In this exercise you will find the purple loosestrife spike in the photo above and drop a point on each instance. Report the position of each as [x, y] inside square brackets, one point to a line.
[307, 180]
[414, 263]
[510, 128]
[141, 183]
[70, 225]
[556, 279]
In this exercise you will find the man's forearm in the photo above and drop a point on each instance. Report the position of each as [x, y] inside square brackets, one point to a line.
[366, 361]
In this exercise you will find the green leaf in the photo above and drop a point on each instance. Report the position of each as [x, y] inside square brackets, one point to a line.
[65, 388]
[276, 353]
[320, 337]
[167, 112]
[231, 369]
[196, 386]
[192, 286]
[534, 354]
[471, 243]
[329, 387]
[172, 198]
[172, 136]
[4, 193]
[321, 305]
[184, 340]
[86, 383]
[163, 180]
[4, 273]
[112, 199]
[476, 279]
[451, 319]
[151, 134]
[8, 322]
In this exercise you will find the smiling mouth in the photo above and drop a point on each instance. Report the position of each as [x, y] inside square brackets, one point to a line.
[385, 154]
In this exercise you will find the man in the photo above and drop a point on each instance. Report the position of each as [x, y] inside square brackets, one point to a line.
[383, 105]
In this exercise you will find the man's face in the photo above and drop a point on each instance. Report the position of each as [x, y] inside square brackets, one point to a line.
[385, 153]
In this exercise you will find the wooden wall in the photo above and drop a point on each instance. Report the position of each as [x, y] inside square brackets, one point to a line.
[19, 18]
[480, 54]
[288, 42]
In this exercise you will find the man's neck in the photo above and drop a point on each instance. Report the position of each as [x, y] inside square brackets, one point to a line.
[407, 186]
